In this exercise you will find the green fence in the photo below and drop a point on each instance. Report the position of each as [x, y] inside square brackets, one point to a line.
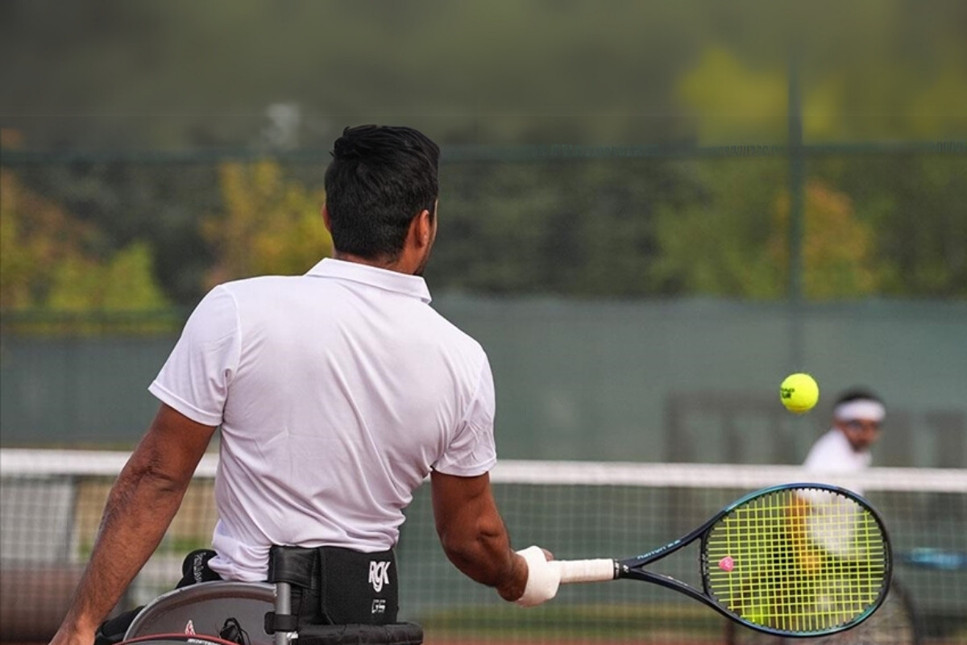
[688, 380]
[637, 302]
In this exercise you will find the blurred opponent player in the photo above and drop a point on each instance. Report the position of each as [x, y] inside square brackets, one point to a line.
[845, 448]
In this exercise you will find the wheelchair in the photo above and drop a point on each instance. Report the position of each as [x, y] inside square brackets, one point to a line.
[249, 613]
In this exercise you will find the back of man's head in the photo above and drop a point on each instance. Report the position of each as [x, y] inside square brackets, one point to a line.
[379, 179]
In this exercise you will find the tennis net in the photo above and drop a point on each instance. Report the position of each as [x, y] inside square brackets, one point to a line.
[52, 502]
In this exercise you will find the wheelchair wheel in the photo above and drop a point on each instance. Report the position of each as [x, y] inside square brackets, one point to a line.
[202, 609]
[176, 639]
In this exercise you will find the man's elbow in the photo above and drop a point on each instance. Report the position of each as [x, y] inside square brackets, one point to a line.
[151, 475]
[483, 556]
[463, 550]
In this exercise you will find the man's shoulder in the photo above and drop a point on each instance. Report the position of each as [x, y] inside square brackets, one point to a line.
[259, 282]
[448, 332]
[260, 288]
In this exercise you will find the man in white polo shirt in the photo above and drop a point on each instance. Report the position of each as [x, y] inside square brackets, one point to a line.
[845, 448]
[337, 393]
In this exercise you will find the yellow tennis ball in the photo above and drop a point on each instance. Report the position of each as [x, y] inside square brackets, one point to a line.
[799, 393]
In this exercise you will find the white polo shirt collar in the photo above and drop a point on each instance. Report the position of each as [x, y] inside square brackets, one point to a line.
[402, 283]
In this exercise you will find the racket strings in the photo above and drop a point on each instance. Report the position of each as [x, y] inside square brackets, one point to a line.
[797, 561]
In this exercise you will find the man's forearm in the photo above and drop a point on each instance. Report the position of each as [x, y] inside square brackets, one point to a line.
[486, 557]
[141, 505]
[139, 509]
[473, 534]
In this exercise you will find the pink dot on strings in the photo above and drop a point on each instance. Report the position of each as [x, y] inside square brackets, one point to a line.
[727, 563]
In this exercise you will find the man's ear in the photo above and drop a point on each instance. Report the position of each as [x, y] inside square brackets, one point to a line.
[326, 219]
[424, 228]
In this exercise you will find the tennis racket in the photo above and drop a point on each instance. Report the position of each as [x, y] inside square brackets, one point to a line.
[894, 623]
[792, 560]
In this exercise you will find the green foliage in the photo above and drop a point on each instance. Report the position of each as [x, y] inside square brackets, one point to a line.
[118, 203]
[15, 251]
[837, 247]
[920, 222]
[270, 224]
[497, 74]
[49, 262]
[582, 228]
[475, 72]
[718, 242]
[735, 241]
[731, 102]
[38, 236]
[124, 282]
[865, 233]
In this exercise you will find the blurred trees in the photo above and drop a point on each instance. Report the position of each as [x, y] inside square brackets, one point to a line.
[121, 203]
[122, 282]
[270, 224]
[886, 225]
[575, 227]
[916, 206]
[200, 77]
[183, 74]
[838, 253]
[50, 259]
[720, 240]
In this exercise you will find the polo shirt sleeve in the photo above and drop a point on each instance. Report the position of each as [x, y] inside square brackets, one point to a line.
[195, 378]
[472, 451]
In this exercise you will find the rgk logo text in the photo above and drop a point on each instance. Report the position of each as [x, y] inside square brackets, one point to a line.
[378, 575]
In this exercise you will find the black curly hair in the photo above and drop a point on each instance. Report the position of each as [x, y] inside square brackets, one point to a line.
[380, 178]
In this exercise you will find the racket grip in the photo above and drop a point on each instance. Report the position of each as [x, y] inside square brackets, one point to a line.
[597, 570]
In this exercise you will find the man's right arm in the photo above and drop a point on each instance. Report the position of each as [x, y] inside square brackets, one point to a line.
[475, 540]
[141, 505]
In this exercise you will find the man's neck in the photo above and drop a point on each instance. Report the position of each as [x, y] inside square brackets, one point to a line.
[397, 264]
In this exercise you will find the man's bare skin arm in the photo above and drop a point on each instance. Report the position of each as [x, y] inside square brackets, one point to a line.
[139, 509]
[473, 534]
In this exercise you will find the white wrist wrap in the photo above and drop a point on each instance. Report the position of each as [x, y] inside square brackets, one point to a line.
[543, 578]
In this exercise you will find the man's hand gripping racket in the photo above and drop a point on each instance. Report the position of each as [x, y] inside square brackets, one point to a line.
[791, 560]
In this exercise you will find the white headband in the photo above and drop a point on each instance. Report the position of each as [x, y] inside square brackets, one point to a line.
[860, 409]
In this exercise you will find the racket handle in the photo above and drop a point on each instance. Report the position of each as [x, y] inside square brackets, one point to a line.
[598, 570]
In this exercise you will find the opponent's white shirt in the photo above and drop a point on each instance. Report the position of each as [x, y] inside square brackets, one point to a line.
[832, 522]
[833, 453]
[336, 392]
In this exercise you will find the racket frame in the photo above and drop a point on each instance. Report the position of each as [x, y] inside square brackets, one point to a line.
[633, 567]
